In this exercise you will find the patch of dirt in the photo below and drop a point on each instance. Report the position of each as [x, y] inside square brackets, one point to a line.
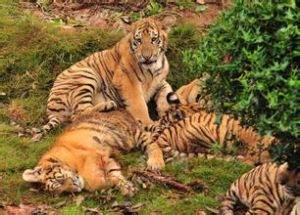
[204, 18]
[107, 14]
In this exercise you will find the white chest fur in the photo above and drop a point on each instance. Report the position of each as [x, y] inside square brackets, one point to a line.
[156, 74]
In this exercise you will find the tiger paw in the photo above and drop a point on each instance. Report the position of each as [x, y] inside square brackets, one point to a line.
[127, 188]
[106, 106]
[111, 105]
[155, 164]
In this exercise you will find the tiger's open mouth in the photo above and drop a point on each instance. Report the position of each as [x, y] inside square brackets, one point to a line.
[149, 62]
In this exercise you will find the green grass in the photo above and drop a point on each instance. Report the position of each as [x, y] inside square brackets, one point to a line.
[32, 53]
[18, 154]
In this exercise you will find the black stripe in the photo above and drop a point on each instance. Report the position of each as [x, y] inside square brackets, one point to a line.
[56, 110]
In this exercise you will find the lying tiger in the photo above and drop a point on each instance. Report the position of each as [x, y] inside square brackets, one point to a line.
[83, 156]
[268, 189]
[192, 92]
[189, 130]
[127, 75]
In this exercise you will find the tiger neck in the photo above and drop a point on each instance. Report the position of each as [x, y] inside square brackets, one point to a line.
[155, 67]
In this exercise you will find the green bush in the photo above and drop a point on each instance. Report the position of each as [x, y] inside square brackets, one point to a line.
[253, 55]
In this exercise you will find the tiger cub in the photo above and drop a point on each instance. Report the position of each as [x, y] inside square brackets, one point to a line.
[267, 189]
[192, 92]
[188, 129]
[83, 156]
[127, 75]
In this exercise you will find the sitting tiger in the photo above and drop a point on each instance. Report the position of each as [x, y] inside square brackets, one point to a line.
[267, 189]
[190, 130]
[127, 75]
[83, 156]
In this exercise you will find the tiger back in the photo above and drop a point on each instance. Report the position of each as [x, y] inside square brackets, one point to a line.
[189, 129]
[269, 189]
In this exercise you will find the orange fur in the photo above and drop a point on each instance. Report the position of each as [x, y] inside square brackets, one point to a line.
[188, 129]
[127, 75]
[88, 148]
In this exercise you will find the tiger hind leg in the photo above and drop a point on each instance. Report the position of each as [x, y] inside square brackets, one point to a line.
[116, 178]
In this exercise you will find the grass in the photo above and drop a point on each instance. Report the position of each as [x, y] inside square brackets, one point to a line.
[32, 53]
[17, 154]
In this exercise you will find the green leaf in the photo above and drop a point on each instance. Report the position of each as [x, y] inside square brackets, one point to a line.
[201, 8]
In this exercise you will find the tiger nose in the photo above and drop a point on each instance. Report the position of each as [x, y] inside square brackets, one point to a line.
[146, 55]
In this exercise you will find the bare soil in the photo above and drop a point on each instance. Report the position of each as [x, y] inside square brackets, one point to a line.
[107, 14]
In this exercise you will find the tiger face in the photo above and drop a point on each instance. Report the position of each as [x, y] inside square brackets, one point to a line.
[177, 110]
[148, 41]
[56, 179]
[290, 179]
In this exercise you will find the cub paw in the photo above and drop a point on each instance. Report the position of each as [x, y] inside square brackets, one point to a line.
[127, 188]
[155, 164]
[112, 105]
[107, 106]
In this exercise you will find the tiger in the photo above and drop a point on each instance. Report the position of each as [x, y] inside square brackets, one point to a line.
[296, 209]
[190, 129]
[83, 156]
[127, 75]
[193, 92]
[267, 189]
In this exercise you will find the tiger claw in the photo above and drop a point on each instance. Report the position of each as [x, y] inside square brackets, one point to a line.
[155, 164]
[127, 188]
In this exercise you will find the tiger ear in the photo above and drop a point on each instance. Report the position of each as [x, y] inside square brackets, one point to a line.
[172, 98]
[33, 175]
[126, 24]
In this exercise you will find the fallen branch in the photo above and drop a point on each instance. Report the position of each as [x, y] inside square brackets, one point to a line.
[147, 176]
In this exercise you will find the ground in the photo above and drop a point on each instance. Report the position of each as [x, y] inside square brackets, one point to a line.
[33, 51]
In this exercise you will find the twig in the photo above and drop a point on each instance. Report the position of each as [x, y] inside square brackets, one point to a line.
[170, 181]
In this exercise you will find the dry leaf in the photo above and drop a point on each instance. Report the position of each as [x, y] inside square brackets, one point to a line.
[79, 199]
[91, 210]
[200, 2]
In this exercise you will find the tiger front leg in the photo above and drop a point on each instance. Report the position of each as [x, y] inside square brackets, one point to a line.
[135, 103]
[155, 156]
[115, 176]
[161, 98]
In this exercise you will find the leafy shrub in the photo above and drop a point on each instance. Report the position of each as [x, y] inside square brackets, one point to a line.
[153, 8]
[253, 55]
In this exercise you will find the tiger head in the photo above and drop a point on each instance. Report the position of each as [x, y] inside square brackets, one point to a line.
[148, 40]
[55, 178]
[178, 111]
[290, 179]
